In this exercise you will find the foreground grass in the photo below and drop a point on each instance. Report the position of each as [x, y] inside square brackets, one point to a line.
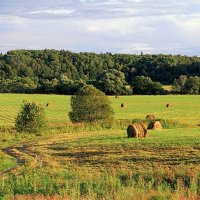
[6, 162]
[107, 165]
[116, 185]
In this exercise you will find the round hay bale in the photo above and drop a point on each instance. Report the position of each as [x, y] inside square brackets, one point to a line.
[154, 126]
[144, 130]
[116, 97]
[123, 105]
[150, 116]
[169, 105]
[136, 130]
[48, 104]
[132, 131]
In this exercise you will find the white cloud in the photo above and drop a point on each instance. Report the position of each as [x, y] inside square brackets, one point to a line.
[165, 26]
[52, 11]
[10, 18]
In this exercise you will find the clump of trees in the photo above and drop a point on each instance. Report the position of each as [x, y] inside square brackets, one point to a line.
[65, 72]
[31, 118]
[90, 105]
[18, 85]
[186, 85]
[144, 85]
[112, 82]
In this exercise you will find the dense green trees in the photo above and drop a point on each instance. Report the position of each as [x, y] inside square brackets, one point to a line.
[18, 85]
[144, 85]
[178, 84]
[112, 82]
[90, 105]
[187, 85]
[42, 71]
[192, 85]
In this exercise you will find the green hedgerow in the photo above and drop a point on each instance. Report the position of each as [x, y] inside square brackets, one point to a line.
[31, 118]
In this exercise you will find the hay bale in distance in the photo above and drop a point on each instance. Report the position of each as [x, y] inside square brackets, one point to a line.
[116, 97]
[155, 126]
[137, 130]
[169, 105]
[150, 116]
[48, 104]
[123, 105]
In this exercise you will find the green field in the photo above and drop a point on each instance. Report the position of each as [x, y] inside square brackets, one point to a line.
[97, 163]
[183, 108]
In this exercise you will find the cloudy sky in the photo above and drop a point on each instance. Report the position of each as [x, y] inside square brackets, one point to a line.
[117, 26]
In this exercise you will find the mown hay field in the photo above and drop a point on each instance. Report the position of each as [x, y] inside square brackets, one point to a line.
[184, 108]
[104, 165]
[97, 163]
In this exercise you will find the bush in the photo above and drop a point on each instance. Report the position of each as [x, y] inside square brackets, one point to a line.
[144, 85]
[31, 118]
[90, 105]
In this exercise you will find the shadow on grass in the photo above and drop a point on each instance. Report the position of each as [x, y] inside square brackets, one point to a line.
[81, 154]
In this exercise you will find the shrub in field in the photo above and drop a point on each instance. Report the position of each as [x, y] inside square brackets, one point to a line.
[90, 105]
[31, 118]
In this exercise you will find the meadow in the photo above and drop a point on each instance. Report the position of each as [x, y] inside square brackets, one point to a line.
[185, 108]
[95, 162]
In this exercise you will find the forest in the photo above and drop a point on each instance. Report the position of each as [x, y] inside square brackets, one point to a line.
[64, 72]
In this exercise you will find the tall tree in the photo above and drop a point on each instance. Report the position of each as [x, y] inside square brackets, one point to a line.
[90, 105]
[112, 82]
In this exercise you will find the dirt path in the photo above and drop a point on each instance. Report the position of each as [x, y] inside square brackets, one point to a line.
[32, 155]
[23, 159]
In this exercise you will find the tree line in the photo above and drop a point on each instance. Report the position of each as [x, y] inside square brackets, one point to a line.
[65, 72]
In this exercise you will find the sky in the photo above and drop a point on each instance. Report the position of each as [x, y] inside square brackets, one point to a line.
[116, 26]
